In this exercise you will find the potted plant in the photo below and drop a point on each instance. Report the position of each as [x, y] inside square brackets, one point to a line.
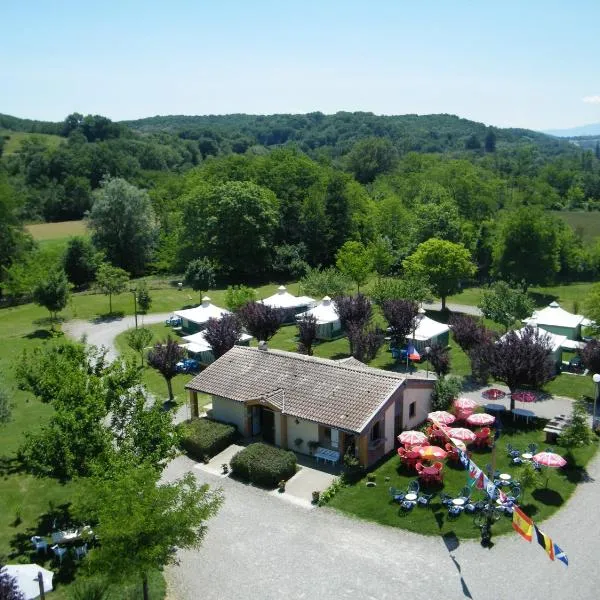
[282, 486]
[312, 446]
[225, 468]
[371, 480]
[298, 441]
[315, 497]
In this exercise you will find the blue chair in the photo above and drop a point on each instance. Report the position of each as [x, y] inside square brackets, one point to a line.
[424, 499]
[80, 551]
[517, 460]
[413, 486]
[39, 543]
[397, 495]
[446, 499]
[59, 552]
[454, 511]
[465, 493]
[406, 506]
[532, 448]
[536, 466]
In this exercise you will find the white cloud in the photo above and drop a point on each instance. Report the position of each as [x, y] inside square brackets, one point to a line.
[592, 99]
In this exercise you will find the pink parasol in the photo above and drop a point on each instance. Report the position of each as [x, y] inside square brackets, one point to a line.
[460, 433]
[414, 438]
[464, 404]
[432, 452]
[441, 416]
[524, 396]
[550, 459]
[479, 419]
[493, 394]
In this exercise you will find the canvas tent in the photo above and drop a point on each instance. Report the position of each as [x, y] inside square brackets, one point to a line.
[559, 321]
[200, 349]
[328, 321]
[289, 304]
[428, 332]
[26, 577]
[195, 319]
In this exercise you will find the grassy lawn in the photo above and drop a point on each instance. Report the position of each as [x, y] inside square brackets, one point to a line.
[584, 222]
[14, 140]
[54, 231]
[374, 503]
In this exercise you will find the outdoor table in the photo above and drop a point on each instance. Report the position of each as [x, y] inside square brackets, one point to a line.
[526, 456]
[494, 407]
[458, 501]
[523, 412]
[411, 497]
[505, 476]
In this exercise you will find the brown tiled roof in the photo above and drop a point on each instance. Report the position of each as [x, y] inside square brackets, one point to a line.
[317, 389]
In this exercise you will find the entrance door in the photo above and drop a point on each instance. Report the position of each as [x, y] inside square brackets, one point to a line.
[255, 420]
[267, 425]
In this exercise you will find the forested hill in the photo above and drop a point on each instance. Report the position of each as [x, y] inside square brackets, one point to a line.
[338, 132]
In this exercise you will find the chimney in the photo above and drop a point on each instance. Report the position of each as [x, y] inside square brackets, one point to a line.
[263, 346]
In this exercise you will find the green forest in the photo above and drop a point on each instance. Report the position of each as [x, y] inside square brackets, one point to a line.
[259, 198]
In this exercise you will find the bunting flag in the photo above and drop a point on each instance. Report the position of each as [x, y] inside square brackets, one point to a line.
[464, 459]
[474, 474]
[522, 524]
[491, 489]
[545, 542]
[560, 554]
[480, 482]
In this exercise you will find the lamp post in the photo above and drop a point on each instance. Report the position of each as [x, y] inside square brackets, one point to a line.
[596, 380]
[134, 292]
[427, 351]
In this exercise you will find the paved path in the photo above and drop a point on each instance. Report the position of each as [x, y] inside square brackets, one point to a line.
[460, 308]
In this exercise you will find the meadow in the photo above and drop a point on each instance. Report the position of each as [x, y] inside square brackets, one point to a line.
[15, 139]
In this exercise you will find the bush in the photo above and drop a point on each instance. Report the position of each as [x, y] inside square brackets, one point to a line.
[202, 437]
[336, 485]
[444, 392]
[264, 465]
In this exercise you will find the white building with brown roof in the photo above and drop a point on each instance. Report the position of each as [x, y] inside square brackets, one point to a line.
[283, 397]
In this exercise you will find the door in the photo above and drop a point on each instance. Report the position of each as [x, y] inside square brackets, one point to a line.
[267, 425]
[255, 420]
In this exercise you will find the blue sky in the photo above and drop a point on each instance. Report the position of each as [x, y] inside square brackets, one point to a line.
[524, 63]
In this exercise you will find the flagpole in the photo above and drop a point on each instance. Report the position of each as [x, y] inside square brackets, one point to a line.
[486, 530]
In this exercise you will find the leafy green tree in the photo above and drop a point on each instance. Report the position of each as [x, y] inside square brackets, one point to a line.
[444, 264]
[529, 479]
[490, 141]
[371, 157]
[527, 247]
[111, 280]
[138, 340]
[200, 275]
[592, 307]
[505, 304]
[144, 299]
[473, 143]
[5, 407]
[164, 358]
[123, 225]
[355, 261]
[578, 432]
[337, 213]
[436, 215]
[382, 255]
[408, 288]
[445, 391]
[325, 282]
[288, 261]
[237, 296]
[80, 261]
[52, 293]
[142, 522]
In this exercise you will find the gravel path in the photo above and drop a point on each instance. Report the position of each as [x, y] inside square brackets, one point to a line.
[459, 308]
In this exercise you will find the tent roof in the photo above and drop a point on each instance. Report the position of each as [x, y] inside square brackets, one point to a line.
[201, 314]
[556, 341]
[26, 577]
[197, 342]
[283, 299]
[324, 312]
[555, 315]
[427, 328]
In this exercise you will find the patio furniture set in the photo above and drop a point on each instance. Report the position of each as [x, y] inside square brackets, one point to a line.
[63, 541]
[411, 498]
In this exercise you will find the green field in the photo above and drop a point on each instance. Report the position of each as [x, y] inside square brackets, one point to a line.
[56, 231]
[587, 224]
[14, 140]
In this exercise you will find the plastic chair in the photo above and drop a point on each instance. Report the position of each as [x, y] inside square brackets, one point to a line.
[419, 467]
[397, 495]
[424, 499]
[532, 448]
[446, 499]
[454, 511]
[438, 465]
[413, 486]
[516, 460]
[406, 506]
[39, 543]
[465, 493]
[59, 552]
[80, 551]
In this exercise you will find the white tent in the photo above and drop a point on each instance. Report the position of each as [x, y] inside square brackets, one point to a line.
[328, 321]
[556, 319]
[27, 579]
[194, 319]
[288, 303]
[428, 332]
[197, 345]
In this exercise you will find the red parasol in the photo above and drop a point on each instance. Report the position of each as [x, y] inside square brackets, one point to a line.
[462, 434]
[432, 452]
[479, 419]
[493, 394]
[414, 438]
[465, 404]
[524, 396]
[441, 416]
[550, 459]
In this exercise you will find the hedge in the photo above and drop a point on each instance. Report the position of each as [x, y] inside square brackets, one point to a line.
[204, 437]
[264, 465]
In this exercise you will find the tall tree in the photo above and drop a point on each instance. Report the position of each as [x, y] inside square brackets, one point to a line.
[444, 264]
[408, 288]
[138, 340]
[237, 296]
[490, 141]
[365, 342]
[355, 313]
[355, 261]
[80, 261]
[468, 332]
[52, 293]
[164, 358]
[223, 334]
[382, 255]
[505, 304]
[200, 275]
[111, 280]
[370, 157]
[144, 299]
[401, 316]
[307, 334]
[141, 522]
[439, 357]
[260, 320]
[337, 215]
[324, 282]
[522, 358]
[590, 356]
[123, 225]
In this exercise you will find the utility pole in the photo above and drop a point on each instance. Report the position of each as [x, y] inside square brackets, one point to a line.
[134, 292]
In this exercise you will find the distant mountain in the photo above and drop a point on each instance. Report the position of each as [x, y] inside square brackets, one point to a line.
[593, 129]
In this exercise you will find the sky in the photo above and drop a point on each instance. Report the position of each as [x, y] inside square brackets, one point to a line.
[525, 63]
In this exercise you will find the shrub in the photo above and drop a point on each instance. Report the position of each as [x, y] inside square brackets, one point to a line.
[444, 392]
[336, 485]
[264, 465]
[202, 437]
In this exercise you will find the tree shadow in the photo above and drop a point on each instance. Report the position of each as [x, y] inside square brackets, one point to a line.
[529, 509]
[39, 334]
[108, 317]
[548, 497]
[11, 465]
[541, 299]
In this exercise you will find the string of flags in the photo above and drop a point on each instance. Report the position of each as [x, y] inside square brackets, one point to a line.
[521, 523]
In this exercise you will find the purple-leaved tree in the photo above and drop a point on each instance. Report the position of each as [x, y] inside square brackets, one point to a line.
[223, 334]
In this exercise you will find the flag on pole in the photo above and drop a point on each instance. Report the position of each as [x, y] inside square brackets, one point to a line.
[522, 524]
[560, 554]
[545, 542]
[474, 474]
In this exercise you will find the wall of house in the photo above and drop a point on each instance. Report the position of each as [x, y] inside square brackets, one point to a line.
[230, 411]
[572, 333]
[418, 391]
[389, 427]
[308, 431]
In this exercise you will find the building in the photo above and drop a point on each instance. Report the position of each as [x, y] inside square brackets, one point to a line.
[199, 349]
[328, 321]
[298, 402]
[288, 304]
[428, 332]
[559, 321]
[195, 319]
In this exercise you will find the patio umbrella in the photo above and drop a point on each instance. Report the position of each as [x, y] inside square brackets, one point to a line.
[465, 404]
[458, 443]
[549, 459]
[441, 416]
[460, 433]
[432, 452]
[524, 396]
[493, 394]
[480, 419]
[414, 438]
[26, 577]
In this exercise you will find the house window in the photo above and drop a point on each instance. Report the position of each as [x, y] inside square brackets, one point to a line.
[376, 431]
[412, 410]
